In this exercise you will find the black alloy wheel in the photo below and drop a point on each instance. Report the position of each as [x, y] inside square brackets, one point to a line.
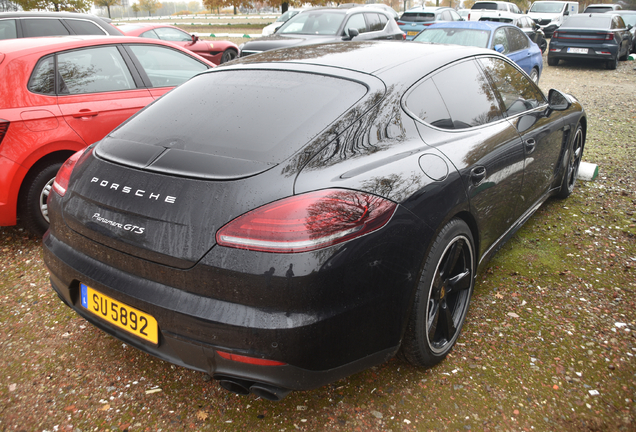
[574, 156]
[33, 209]
[543, 45]
[228, 54]
[442, 297]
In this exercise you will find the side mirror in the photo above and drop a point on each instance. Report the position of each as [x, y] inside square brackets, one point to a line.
[566, 13]
[558, 101]
[499, 48]
[629, 26]
[194, 38]
[351, 33]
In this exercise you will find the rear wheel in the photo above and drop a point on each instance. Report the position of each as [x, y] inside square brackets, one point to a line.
[228, 54]
[624, 56]
[543, 45]
[442, 296]
[575, 153]
[553, 61]
[33, 210]
[612, 64]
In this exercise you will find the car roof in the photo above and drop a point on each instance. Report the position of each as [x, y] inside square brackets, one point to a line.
[473, 25]
[376, 58]
[28, 14]
[427, 8]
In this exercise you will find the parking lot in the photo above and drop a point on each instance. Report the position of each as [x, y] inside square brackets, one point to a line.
[548, 344]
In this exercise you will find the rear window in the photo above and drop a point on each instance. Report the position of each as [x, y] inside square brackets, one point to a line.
[418, 17]
[488, 6]
[598, 22]
[266, 115]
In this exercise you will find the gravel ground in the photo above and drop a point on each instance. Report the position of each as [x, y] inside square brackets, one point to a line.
[549, 341]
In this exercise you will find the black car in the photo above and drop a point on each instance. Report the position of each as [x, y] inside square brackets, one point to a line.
[598, 37]
[321, 25]
[34, 24]
[525, 23]
[284, 258]
[629, 16]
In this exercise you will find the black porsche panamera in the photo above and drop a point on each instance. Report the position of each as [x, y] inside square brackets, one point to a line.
[341, 214]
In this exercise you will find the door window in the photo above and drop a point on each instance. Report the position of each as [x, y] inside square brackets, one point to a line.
[43, 77]
[518, 93]
[501, 39]
[34, 27]
[517, 39]
[8, 29]
[166, 67]
[82, 27]
[375, 24]
[173, 35]
[93, 70]
[357, 22]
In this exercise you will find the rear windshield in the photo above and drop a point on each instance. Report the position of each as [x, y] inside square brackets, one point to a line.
[598, 9]
[455, 36]
[598, 22]
[547, 7]
[418, 16]
[488, 6]
[257, 115]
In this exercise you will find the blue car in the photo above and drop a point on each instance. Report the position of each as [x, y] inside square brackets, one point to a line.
[504, 38]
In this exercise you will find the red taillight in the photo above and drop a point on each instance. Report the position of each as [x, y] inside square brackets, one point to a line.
[64, 174]
[249, 360]
[4, 127]
[555, 35]
[468, 17]
[609, 36]
[401, 23]
[307, 222]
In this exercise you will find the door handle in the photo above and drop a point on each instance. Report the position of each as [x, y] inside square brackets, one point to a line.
[477, 174]
[85, 113]
[530, 144]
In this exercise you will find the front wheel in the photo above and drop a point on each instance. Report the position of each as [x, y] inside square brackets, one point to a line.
[543, 45]
[534, 75]
[34, 214]
[228, 54]
[574, 156]
[442, 297]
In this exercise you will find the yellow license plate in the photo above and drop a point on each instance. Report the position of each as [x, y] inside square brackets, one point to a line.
[412, 33]
[119, 314]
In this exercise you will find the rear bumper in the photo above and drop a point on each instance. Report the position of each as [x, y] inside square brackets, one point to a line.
[560, 51]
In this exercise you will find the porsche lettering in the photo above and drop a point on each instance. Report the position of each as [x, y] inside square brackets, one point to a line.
[138, 192]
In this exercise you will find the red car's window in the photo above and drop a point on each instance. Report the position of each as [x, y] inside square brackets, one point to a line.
[173, 35]
[93, 70]
[166, 67]
[43, 77]
[150, 34]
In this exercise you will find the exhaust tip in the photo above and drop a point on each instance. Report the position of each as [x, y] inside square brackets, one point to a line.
[269, 392]
[235, 385]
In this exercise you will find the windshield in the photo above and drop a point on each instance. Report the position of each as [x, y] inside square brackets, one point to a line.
[547, 7]
[455, 36]
[319, 22]
[630, 19]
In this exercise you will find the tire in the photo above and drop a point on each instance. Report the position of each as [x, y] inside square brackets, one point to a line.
[228, 54]
[534, 75]
[624, 56]
[543, 46]
[553, 61]
[442, 297]
[612, 64]
[35, 190]
[575, 153]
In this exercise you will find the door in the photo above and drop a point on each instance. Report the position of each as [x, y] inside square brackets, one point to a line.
[97, 91]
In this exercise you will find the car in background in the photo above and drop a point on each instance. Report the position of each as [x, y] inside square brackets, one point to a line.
[216, 52]
[322, 25]
[602, 8]
[35, 24]
[418, 18]
[524, 22]
[594, 37]
[64, 93]
[551, 14]
[285, 258]
[480, 8]
[463, 13]
[382, 6]
[629, 16]
[505, 38]
[271, 29]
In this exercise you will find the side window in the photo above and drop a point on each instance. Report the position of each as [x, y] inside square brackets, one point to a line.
[446, 16]
[515, 9]
[357, 22]
[43, 77]
[620, 23]
[82, 27]
[501, 39]
[93, 70]
[373, 19]
[150, 34]
[166, 67]
[383, 20]
[455, 16]
[457, 97]
[34, 27]
[518, 93]
[426, 103]
[173, 35]
[8, 29]
[517, 39]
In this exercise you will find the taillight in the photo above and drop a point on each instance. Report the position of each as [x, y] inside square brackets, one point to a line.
[403, 36]
[401, 22]
[555, 35]
[609, 36]
[468, 17]
[249, 360]
[64, 174]
[4, 127]
[307, 222]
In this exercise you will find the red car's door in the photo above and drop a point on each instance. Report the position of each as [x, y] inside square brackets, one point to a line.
[97, 91]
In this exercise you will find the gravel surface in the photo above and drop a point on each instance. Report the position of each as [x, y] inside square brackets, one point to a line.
[549, 342]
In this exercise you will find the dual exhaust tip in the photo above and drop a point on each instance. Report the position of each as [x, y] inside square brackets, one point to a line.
[243, 387]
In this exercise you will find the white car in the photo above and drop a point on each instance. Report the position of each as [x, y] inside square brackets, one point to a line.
[270, 29]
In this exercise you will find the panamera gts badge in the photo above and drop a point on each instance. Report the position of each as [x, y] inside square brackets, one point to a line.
[126, 227]
[131, 191]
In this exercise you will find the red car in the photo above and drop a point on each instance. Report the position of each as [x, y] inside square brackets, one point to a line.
[61, 94]
[215, 51]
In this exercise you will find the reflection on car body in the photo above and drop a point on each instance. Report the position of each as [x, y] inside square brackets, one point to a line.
[372, 212]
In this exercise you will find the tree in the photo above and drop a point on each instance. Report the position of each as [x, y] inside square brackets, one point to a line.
[56, 5]
[107, 4]
[135, 9]
[150, 5]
